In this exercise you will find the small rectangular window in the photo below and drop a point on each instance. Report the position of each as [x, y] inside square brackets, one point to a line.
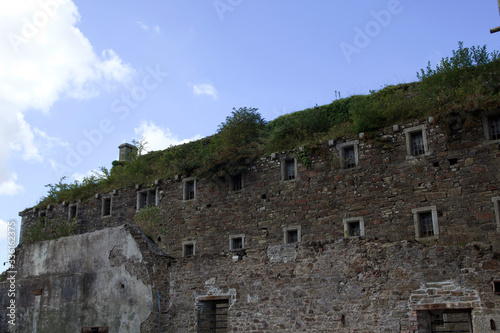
[236, 182]
[189, 189]
[417, 143]
[106, 206]
[236, 243]
[42, 216]
[72, 212]
[494, 127]
[426, 225]
[188, 248]
[349, 157]
[289, 169]
[142, 199]
[426, 222]
[292, 236]
[146, 198]
[354, 229]
[496, 287]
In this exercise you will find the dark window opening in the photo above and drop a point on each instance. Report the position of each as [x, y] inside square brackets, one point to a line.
[188, 250]
[354, 229]
[426, 225]
[439, 321]
[236, 182]
[142, 200]
[42, 217]
[494, 125]
[292, 236]
[189, 190]
[453, 161]
[417, 143]
[496, 287]
[72, 212]
[146, 198]
[349, 157]
[289, 169]
[236, 243]
[106, 207]
[212, 316]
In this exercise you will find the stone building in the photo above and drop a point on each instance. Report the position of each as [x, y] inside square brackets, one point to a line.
[396, 234]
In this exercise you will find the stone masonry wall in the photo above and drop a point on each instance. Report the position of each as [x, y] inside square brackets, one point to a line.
[382, 282]
[347, 285]
[458, 176]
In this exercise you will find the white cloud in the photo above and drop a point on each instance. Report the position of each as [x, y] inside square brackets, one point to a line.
[159, 138]
[8, 185]
[45, 57]
[145, 27]
[205, 89]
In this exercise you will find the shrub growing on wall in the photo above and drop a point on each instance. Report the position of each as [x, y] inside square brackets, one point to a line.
[47, 229]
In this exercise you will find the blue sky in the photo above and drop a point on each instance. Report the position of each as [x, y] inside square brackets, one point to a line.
[80, 77]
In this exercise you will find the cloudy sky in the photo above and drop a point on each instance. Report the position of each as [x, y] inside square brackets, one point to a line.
[80, 77]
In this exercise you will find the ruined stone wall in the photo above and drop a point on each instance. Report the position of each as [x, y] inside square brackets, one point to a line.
[457, 175]
[387, 281]
[108, 278]
[347, 285]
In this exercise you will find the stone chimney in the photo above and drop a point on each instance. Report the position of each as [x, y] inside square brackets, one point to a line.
[127, 151]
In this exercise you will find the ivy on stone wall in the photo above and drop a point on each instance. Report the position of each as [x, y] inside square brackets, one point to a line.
[150, 220]
[46, 229]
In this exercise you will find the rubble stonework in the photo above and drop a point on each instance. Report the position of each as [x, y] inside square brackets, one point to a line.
[389, 280]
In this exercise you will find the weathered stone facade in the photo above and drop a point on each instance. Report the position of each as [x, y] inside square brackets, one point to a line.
[429, 231]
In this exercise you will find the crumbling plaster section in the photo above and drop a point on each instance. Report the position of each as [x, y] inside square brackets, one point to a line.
[102, 271]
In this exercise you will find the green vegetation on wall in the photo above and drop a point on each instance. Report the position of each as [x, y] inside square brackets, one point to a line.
[46, 229]
[457, 90]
